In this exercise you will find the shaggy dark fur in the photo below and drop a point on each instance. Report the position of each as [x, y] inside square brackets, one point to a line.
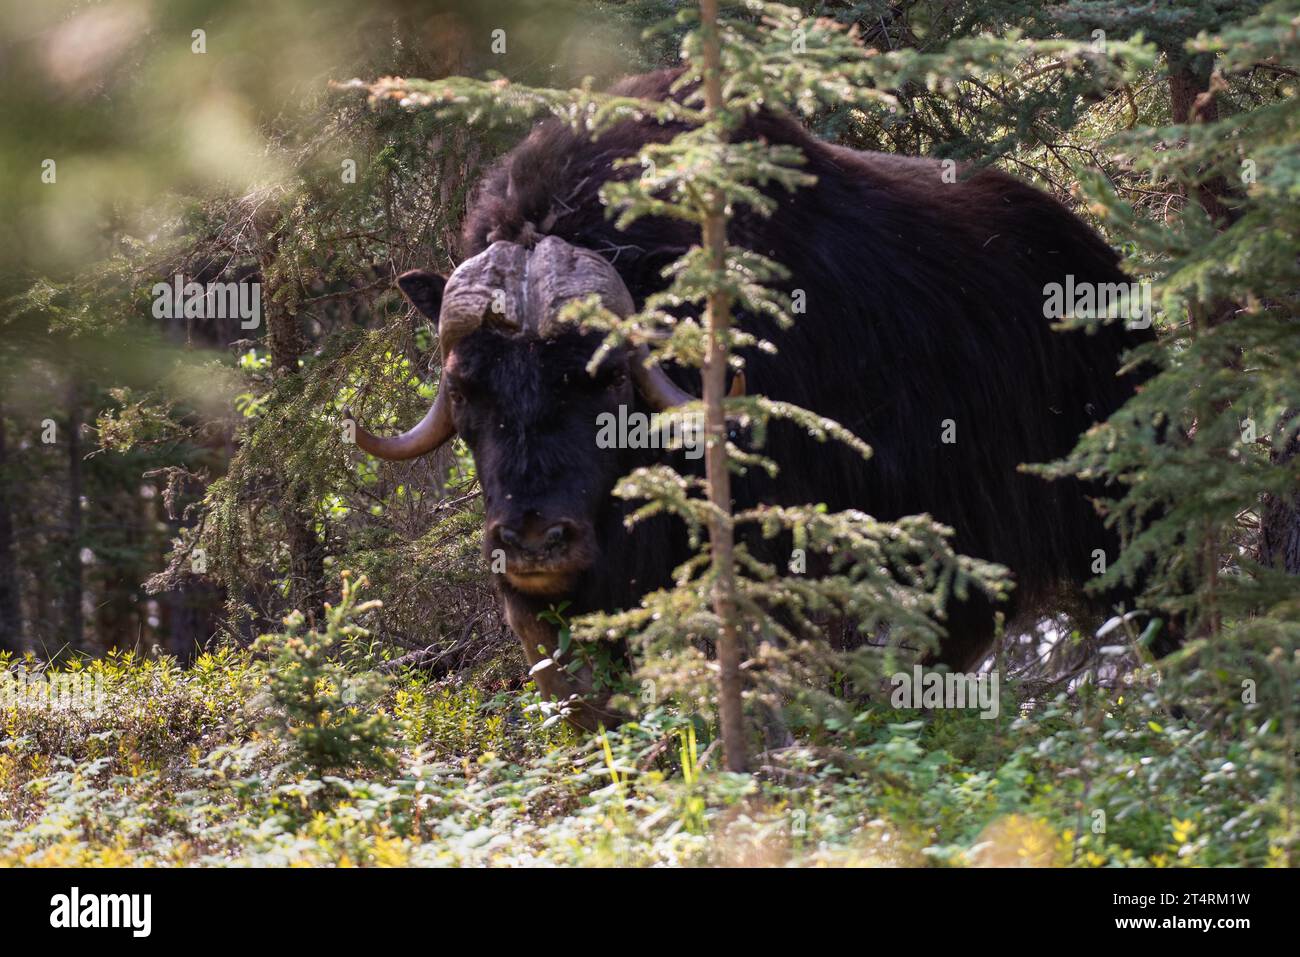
[924, 303]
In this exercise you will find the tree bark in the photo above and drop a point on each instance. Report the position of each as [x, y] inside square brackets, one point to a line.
[74, 586]
[306, 553]
[1192, 100]
[731, 714]
[1279, 517]
[11, 609]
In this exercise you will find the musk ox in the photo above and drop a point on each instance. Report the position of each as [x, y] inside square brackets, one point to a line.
[924, 323]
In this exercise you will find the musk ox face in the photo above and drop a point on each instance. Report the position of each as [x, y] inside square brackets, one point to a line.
[528, 409]
[515, 385]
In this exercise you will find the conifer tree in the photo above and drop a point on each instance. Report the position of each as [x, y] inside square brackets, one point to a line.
[762, 621]
[1206, 450]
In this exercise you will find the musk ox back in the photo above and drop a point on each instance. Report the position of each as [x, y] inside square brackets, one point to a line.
[923, 331]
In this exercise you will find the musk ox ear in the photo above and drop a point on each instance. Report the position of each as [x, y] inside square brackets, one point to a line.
[424, 290]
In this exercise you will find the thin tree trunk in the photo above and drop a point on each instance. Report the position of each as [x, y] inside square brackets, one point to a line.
[306, 553]
[11, 608]
[1192, 100]
[731, 714]
[74, 587]
[1279, 518]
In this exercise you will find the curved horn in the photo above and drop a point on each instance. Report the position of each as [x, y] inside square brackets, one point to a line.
[432, 431]
[660, 391]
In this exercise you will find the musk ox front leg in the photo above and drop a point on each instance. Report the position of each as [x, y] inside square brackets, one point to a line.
[583, 707]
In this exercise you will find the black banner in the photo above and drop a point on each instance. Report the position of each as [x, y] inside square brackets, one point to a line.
[215, 906]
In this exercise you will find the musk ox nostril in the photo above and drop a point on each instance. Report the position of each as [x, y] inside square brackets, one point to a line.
[534, 536]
